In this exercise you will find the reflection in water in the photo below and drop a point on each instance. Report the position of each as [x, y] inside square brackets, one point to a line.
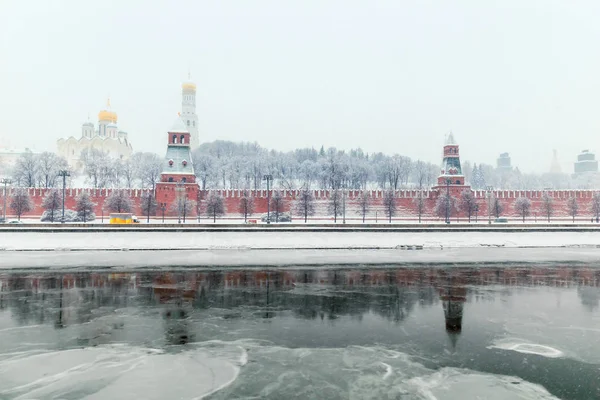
[365, 320]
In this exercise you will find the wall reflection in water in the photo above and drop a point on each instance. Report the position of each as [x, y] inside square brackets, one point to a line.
[63, 299]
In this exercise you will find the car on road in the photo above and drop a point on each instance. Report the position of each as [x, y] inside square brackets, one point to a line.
[15, 222]
[283, 217]
[501, 220]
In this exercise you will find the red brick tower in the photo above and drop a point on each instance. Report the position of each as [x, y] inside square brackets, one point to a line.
[177, 179]
[451, 176]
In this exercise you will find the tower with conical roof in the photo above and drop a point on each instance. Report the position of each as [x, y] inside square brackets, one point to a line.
[188, 110]
[451, 172]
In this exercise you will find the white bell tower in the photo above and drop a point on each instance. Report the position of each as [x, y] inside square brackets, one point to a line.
[188, 111]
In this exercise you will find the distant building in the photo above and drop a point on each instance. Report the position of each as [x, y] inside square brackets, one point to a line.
[586, 162]
[107, 138]
[555, 165]
[503, 162]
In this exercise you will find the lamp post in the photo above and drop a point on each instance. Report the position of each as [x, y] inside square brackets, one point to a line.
[268, 178]
[344, 203]
[5, 181]
[64, 173]
[489, 196]
[476, 211]
[179, 189]
[447, 201]
[163, 208]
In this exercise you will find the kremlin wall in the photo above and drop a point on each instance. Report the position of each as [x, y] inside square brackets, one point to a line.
[178, 177]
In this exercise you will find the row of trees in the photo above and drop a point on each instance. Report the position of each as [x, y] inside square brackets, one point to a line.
[446, 206]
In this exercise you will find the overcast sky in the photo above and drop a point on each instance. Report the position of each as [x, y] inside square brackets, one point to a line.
[521, 76]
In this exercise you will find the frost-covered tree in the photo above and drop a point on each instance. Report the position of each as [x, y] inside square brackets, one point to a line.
[547, 206]
[148, 205]
[573, 207]
[97, 166]
[389, 204]
[52, 202]
[118, 202]
[48, 166]
[277, 204]
[523, 207]
[215, 206]
[246, 207]
[596, 205]
[419, 203]
[84, 206]
[444, 206]
[20, 202]
[335, 204]
[364, 204]
[305, 203]
[467, 203]
[183, 207]
[497, 207]
[26, 171]
[149, 169]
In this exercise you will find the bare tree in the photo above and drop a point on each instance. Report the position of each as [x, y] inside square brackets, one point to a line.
[389, 204]
[305, 204]
[277, 204]
[246, 204]
[183, 207]
[84, 206]
[148, 205]
[364, 204]
[150, 168]
[444, 205]
[96, 166]
[596, 205]
[215, 206]
[128, 170]
[497, 207]
[419, 203]
[26, 170]
[523, 207]
[573, 207]
[20, 202]
[52, 202]
[335, 204]
[547, 205]
[118, 202]
[467, 204]
[48, 166]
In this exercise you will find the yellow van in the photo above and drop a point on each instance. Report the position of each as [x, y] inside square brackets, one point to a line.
[123, 218]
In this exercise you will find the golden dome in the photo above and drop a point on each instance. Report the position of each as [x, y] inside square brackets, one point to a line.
[188, 86]
[106, 115]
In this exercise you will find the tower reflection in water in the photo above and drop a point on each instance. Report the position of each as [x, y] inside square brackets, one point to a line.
[393, 294]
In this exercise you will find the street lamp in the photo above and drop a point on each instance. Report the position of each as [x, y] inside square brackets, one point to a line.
[476, 211]
[64, 173]
[344, 202]
[5, 181]
[489, 197]
[163, 208]
[268, 178]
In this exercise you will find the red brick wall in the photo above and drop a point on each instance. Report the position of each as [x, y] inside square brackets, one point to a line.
[405, 202]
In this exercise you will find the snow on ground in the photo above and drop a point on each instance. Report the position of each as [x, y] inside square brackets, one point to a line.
[288, 240]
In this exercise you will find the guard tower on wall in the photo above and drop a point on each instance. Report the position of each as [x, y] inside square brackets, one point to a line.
[451, 176]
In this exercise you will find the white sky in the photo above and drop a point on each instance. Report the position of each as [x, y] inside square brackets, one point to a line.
[393, 76]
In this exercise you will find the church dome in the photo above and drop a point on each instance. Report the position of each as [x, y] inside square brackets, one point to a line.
[188, 86]
[106, 115]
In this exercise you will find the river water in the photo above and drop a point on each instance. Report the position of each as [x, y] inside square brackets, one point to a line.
[444, 332]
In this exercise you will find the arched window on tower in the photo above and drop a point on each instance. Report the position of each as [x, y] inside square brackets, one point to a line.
[182, 139]
[183, 179]
[171, 179]
[174, 138]
[188, 122]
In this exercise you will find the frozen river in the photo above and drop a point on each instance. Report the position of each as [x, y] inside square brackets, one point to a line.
[446, 332]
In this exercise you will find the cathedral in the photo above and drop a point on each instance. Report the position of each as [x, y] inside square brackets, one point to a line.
[107, 138]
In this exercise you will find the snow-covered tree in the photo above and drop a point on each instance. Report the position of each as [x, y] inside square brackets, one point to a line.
[215, 206]
[364, 204]
[246, 207]
[596, 205]
[149, 169]
[389, 204]
[467, 203]
[444, 206]
[20, 202]
[419, 203]
[148, 205]
[547, 206]
[277, 204]
[26, 171]
[523, 207]
[335, 204]
[48, 166]
[118, 202]
[52, 202]
[183, 207]
[97, 166]
[84, 206]
[497, 207]
[573, 207]
[305, 203]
